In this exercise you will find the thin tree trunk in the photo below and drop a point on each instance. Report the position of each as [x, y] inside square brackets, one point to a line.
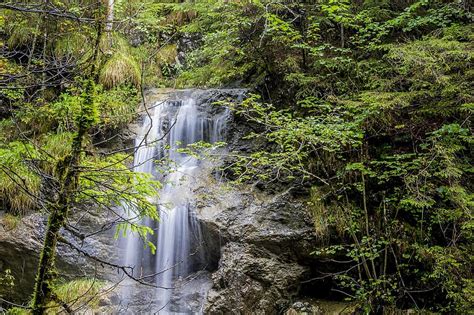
[342, 36]
[43, 284]
[110, 16]
[68, 175]
[35, 35]
[33, 45]
[43, 54]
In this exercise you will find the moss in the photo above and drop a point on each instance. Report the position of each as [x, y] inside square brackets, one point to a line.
[18, 311]
[10, 221]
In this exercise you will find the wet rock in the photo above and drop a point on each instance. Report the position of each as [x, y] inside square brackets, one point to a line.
[304, 308]
[277, 223]
[111, 298]
[19, 253]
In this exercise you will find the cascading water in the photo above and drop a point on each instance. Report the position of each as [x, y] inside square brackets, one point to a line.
[171, 125]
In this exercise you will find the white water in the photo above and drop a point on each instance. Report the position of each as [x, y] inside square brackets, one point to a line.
[173, 124]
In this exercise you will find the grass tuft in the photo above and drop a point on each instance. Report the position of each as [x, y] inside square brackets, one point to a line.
[320, 215]
[17, 182]
[120, 69]
[79, 294]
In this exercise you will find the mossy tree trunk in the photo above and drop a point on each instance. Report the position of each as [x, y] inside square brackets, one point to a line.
[67, 175]
[43, 285]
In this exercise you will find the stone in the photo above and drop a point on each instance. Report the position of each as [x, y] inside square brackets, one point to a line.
[260, 246]
[252, 279]
[20, 249]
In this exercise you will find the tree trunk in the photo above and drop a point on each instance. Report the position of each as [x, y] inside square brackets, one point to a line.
[43, 285]
[110, 16]
[67, 175]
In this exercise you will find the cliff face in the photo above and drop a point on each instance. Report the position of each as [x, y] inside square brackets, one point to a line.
[257, 244]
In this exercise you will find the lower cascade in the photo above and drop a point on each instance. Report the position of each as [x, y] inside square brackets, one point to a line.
[178, 267]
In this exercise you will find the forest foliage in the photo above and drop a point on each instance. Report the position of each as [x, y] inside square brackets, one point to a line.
[363, 106]
[369, 104]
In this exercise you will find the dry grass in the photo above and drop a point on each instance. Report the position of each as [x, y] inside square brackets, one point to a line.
[328, 217]
[79, 294]
[20, 201]
[19, 198]
[120, 69]
[319, 213]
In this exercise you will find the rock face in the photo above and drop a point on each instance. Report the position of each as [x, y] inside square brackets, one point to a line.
[20, 250]
[259, 245]
[251, 279]
[19, 254]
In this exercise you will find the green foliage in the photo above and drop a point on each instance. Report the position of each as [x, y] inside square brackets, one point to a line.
[18, 311]
[221, 58]
[295, 139]
[6, 279]
[114, 108]
[108, 182]
[15, 172]
[372, 108]
[117, 106]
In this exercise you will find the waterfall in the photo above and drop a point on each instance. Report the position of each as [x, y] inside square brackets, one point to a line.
[173, 124]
